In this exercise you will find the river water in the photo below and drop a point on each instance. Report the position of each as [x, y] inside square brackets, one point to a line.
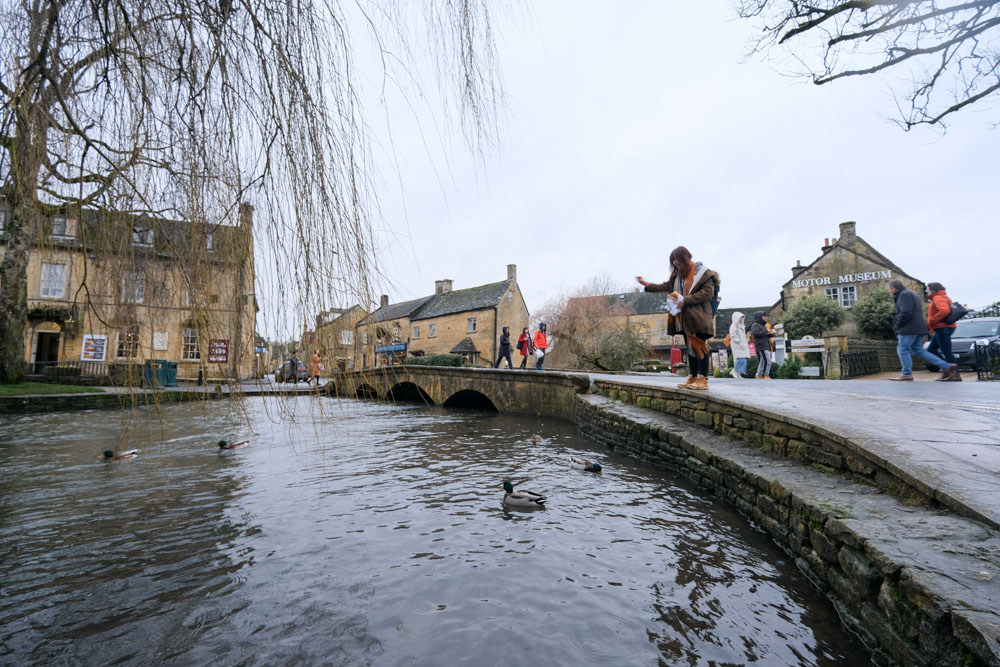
[352, 533]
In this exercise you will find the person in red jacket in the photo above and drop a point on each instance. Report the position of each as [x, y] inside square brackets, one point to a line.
[541, 345]
[525, 347]
[938, 309]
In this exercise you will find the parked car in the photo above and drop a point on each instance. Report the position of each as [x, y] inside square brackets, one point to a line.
[968, 334]
[283, 372]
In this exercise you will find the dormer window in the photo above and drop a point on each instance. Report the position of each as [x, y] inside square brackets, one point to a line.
[63, 227]
[142, 237]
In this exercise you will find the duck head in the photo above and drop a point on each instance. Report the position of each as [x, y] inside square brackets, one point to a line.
[508, 487]
[598, 469]
[222, 444]
[108, 454]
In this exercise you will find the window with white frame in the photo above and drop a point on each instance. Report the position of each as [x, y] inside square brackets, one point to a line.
[209, 242]
[347, 337]
[833, 293]
[53, 284]
[416, 333]
[59, 227]
[470, 325]
[190, 351]
[3, 220]
[432, 330]
[128, 342]
[142, 236]
[133, 286]
[848, 295]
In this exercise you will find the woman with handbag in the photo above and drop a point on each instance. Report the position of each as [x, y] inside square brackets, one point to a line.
[524, 347]
[938, 311]
[693, 287]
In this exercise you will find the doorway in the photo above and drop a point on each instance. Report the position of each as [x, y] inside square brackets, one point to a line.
[46, 351]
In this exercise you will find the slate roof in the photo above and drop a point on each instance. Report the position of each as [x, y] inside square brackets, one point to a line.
[725, 317]
[460, 301]
[465, 347]
[634, 303]
[395, 310]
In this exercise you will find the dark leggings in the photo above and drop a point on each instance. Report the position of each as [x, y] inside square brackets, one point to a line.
[698, 366]
[504, 355]
[524, 361]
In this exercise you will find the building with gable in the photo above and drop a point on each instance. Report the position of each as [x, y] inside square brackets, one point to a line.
[848, 268]
[449, 321]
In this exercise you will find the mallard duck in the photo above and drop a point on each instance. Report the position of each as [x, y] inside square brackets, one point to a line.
[587, 466]
[521, 498]
[109, 455]
[535, 439]
[232, 445]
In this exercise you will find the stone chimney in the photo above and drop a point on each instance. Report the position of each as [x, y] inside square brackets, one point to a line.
[512, 272]
[246, 215]
[798, 268]
[847, 231]
[442, 286]
[383, 301]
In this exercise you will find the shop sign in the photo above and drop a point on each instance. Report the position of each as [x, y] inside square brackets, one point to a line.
[95, 347]
[809, 372]
[846, 278]
[808, 344]
[395, 347]
[218, 351]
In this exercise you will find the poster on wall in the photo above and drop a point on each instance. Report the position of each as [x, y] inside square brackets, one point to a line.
[218, 351]
[95, 347]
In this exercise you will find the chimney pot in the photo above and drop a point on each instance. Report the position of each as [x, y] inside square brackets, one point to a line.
[512, 272]
[442, 286]
[848, 229]
[383, 301]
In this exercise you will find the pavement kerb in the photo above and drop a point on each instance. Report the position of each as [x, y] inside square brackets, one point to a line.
[897, 474]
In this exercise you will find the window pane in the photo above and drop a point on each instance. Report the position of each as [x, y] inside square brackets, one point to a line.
[53, 281]
[833, 293]
[431, 330]
[191, 351]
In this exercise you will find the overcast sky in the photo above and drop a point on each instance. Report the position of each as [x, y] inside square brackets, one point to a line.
[628, 133]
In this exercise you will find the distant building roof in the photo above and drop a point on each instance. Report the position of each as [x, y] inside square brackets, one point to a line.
[633, 303]
[459, 301]
[465, 347]
[395, 310]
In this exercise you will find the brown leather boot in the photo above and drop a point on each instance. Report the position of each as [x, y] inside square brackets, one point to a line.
[700, 383]
[690, 381]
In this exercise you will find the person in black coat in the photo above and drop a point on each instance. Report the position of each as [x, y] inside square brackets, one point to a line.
[911, 327]
[504, 349]
[762, 342]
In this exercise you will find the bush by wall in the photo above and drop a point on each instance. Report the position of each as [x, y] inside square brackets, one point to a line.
[436, 360]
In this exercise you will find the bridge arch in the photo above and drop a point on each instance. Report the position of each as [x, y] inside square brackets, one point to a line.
[409, 391]
[472, 399]
[366, 391]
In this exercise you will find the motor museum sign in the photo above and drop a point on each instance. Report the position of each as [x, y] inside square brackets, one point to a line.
[846, 278]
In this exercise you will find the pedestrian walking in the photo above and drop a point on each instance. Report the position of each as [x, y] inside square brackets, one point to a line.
[762, 342]
[504, 352]
[938, 309]
[739, 343]
[293, 364]
[541, 344]
[693, 288]
[525, 347]
[910, 328]
[317, 366]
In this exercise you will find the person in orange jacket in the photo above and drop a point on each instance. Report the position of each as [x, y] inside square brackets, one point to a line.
[541, 345]
[938, 309]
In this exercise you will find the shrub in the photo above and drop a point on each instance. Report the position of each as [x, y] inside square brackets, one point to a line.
[874, 313]
[812, 316]
[790, 369]
[751, 367]
[718, 373]
[435, 360]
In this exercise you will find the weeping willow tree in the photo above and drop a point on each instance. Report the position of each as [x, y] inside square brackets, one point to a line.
[948, 50]
[145, 125]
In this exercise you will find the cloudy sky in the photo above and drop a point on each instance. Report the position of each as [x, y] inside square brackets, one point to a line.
[628, 133]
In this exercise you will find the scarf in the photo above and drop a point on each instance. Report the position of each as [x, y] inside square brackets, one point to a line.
[697, 345]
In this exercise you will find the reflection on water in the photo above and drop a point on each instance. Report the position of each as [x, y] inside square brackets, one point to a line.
[357, 533]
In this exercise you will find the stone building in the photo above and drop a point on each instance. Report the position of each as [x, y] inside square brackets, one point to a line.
[334, 337]
[466, 321]
[108, 291]
[847, 268]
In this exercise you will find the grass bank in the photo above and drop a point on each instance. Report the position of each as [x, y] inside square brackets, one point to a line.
[33, 388]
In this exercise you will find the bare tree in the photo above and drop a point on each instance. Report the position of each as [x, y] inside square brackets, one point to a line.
[948, 49]
[591, 328]
[182, 109]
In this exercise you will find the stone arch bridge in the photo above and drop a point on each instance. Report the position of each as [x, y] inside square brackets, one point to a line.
[542, 394]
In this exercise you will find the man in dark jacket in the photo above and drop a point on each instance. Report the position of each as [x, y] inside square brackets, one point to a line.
[504, 352]
[911, 327]
[762, 342]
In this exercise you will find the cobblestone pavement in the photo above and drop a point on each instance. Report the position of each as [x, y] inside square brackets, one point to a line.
[947, 435]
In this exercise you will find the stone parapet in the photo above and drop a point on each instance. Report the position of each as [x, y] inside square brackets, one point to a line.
[918, 585]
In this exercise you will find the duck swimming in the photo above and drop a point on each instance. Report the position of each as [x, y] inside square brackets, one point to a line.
[536, 439]
[521, 498]
[127, 455]
[232, 445]
[587, 466]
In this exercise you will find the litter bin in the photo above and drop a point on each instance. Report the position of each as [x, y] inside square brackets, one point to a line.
[159, 373]
[169, 371]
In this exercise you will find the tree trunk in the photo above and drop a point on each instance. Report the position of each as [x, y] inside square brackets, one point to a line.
[14, 294]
